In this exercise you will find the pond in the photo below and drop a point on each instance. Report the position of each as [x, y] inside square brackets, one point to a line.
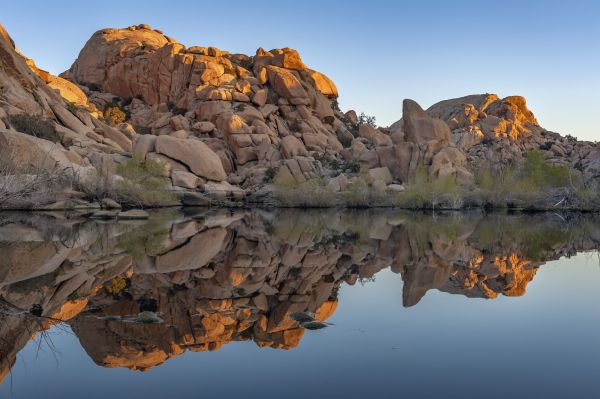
[300, 303]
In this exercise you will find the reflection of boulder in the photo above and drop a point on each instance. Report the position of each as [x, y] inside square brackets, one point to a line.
[194, 254]
[220, 276]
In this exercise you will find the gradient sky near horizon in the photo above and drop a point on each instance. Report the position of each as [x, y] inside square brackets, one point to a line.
[378, 52]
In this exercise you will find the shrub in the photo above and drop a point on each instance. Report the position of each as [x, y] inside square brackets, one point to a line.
[366, 119]
[270, 175]
[345, 139]
[72, 107]
[126, 101]
[239, 107]
[423, 193]
[25, 185]
[230, 70]
[34, 125]
[113, 114]
[533, 182]
[295, 126]
[139, 184]
[94, 87]
[335, 105]
[247, 63]
[139, 129]
[179, 111]
[571, 138]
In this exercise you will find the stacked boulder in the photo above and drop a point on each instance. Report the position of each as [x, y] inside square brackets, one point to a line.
[254, 113]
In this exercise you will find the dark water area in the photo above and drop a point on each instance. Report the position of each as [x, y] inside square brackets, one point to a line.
[300, 303]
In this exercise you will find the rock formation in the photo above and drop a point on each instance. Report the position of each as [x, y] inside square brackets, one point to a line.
[223, 126]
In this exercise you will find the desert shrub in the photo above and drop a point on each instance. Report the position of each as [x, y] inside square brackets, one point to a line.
[345, 139]
[25, 185]
[179, 111]
[126, 101]
[113, 114]
[175, 110]
[335, 105]
[421, 192]
[295, 126]
[230, 70]
[139, 129]
[315, 193]
[247, 63]
[139, 184]
[34, 125]
[72, 107]
[570, 138]
[538, 174]
[94, 87]
[270, 174]
[533, 182]
[366, 119]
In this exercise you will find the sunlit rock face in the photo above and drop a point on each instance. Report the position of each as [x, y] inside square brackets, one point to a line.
[214, 277]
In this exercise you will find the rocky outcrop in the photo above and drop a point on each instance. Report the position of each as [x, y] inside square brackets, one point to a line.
[224, 127]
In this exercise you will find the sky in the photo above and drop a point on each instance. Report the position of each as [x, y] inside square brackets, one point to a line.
[378, 52]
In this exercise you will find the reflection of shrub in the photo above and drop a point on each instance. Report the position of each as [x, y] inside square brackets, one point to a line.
[116, 286]
[150, 239]
[34, 125]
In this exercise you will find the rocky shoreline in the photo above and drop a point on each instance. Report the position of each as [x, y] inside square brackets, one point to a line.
[141, 121]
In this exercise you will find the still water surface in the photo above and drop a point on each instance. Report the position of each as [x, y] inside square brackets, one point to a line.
[458, 305]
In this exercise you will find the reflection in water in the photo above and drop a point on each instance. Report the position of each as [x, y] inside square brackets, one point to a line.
[138, 293]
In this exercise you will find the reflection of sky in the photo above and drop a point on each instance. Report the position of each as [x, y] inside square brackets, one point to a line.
[377, 51]
[545, 344]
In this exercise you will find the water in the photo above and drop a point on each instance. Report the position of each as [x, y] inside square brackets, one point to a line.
[450, 305]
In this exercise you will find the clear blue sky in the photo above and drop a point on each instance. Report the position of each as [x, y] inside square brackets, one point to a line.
[377, 51]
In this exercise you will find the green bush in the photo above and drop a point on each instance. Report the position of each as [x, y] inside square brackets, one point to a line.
[150, 239]
[421, 192]
[366, 119]
[34, 125]
[533, 182]
[139, 184]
